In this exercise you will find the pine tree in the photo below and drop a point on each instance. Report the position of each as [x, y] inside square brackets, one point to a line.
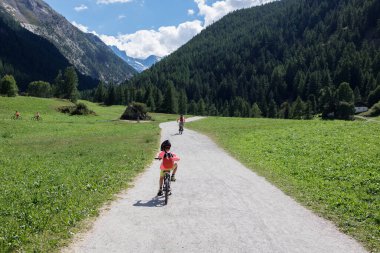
[120, 96]
[240, 107]
[158, 99]
[327, 101]
[256, 112]
[132, 94]
[58, 85]
[313, 104]
[308, 110]
[264, 107]
[100, 93]
[140, 96]
[212, 111]
[298, 108]
[201, 107]
[193, 108]
[346, 99]
[358, 97]
[300, 83]
[226, 110]
[70, 84]
[182, 102]
[150, 103]
[272, 112]
[285, 111]
[127, 96]
[170, 103]
[111, 96]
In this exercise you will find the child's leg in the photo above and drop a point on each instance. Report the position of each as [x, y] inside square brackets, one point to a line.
[161, 182]
[175, 169]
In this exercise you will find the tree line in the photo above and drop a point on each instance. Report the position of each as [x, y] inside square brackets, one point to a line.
[65, 86]
[288, 59]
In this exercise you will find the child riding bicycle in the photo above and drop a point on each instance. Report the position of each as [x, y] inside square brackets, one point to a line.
[17, 115]
[168, 163]
[37, 116]
[181, 121]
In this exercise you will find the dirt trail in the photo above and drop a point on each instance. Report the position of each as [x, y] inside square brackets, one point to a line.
[218, 205]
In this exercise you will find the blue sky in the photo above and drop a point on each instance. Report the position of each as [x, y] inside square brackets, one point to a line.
[145, 27]
[126, 17]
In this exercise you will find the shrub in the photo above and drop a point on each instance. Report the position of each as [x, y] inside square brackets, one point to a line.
[77, 109]
[136, 111]
[345, 110]
[374, 96]
[345, 93]
[8, 86]
[40, 89]
[374, 111]
[82, 109]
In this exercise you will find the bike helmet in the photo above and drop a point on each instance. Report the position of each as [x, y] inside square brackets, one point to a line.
[165, 144]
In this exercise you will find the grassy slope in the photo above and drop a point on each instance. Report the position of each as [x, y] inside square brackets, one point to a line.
[57, 172]
[330, 166]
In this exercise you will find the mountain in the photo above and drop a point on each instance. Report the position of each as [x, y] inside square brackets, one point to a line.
[138, 64]
[29, 57]
[272, 54]
[86, 52]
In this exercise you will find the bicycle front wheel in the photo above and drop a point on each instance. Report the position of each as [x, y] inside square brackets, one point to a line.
[166, 190]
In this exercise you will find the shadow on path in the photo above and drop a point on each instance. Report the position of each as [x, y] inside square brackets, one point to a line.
[154, 202]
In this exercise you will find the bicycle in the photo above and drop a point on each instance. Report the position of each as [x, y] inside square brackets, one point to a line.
[166, 185]
[180, 131]
[36, 118]
[16, 118]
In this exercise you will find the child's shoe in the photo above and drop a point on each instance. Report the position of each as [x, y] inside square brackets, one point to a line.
[172, 178]
[159, 192]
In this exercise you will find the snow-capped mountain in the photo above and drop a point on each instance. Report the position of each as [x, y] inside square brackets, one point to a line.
[85, 51]
[138, 64]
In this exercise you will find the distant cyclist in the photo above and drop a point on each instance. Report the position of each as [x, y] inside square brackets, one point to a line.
[181, 121]
[37, 116]
[17, 115]
[169, 160]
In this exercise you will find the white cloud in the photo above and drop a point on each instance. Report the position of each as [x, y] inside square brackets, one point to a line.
[162, 42]
[121, 17]
[80, 27]
[112, 1]
[167, 39]
[81, 7]
[190, 12]
[217, 10]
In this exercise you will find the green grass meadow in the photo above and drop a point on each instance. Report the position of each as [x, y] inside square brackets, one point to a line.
[56, 173]
[331, 167]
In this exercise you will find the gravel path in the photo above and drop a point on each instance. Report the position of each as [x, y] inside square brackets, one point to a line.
[218, 205]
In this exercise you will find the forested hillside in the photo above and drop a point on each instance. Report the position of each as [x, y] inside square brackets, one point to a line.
[263, 58]
[29, 57]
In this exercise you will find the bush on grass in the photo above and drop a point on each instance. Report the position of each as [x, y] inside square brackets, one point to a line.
[77, 109]
[136, 111]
